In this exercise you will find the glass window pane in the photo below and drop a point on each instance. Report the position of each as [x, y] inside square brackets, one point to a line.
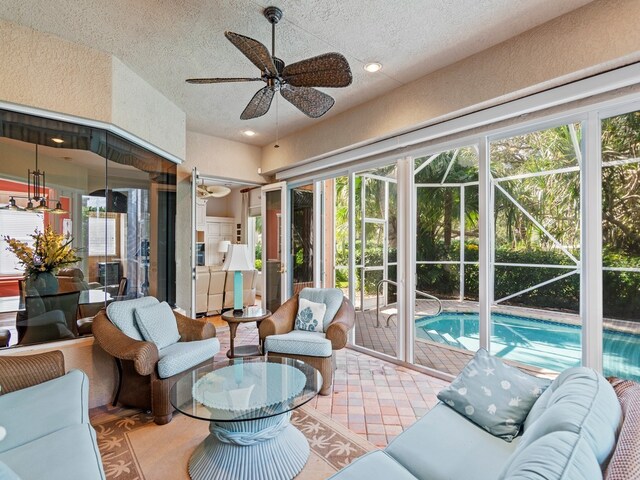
[536, 248]
[621, 245]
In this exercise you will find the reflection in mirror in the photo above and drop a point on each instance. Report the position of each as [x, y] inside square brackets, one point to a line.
[108, 201]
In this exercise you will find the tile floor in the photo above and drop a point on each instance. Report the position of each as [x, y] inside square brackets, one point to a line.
[371, 397]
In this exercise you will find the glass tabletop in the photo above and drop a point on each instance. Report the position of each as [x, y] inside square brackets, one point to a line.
[247, 313]
[245, 389]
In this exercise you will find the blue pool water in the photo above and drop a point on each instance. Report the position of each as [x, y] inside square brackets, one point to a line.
[541, 343]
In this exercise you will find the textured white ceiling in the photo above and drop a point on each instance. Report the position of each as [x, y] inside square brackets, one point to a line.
[167, 41]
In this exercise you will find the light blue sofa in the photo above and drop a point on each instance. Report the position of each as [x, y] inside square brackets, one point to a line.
[48, 435]
[569, 434]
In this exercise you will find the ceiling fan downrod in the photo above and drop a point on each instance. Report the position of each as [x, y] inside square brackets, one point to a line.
[274, 15]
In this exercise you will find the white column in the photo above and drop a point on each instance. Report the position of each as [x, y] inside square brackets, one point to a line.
[591, 245]
[352, 242]
[486, 217]
[406, 260]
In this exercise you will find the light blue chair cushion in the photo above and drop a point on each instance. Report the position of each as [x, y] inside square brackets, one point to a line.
[331, 297]
[579, 400]
[157, 324]
[42, 409]
[67, 454]
[493, 395]
[374, 465]
[444, 445]
[557, 456]
[122, 315]
[299, 342]
[182, 356]
[6, 473]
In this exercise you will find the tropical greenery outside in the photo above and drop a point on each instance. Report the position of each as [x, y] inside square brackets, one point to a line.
[536, 178]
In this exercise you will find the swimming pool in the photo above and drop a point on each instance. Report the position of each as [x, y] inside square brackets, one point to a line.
[541, 343]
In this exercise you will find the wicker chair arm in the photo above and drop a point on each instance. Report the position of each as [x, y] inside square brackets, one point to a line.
[192, 329]
[338, 329]
[22, 371]
[144, 355]
[281, 321]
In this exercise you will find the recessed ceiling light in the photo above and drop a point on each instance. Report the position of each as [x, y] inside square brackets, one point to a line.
[249, 133]
[373, 67]
[57, 140]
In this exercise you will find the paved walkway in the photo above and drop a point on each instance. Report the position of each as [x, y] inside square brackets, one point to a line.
[382, 339]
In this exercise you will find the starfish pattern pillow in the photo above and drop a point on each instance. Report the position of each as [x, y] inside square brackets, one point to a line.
[493, 395]
[310, 316]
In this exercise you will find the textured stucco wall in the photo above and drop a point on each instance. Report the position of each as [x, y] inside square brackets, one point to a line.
[46, 72]
[142, 110]
[223, 158]
[590, 40]
[43, 71]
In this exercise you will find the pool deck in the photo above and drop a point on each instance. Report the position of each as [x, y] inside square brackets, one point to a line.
[434, 355]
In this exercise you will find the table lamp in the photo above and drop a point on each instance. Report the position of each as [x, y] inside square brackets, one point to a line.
[223, 248]
[237, 261]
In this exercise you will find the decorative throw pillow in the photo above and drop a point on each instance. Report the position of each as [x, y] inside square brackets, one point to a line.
[157, 324]
[310, 316]
[494, 395]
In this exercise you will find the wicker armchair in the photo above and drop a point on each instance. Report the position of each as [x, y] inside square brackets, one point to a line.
[22, 371]
[282, 322]
[140, 384]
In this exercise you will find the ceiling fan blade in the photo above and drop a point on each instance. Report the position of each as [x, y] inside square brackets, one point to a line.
[222, 80]
[259, 104]
[328, 70]
[309, 101]
[254, 51]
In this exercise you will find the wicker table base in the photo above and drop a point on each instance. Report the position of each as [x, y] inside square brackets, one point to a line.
[266, 449]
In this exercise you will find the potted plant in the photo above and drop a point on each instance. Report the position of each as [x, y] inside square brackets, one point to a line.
[50, 251]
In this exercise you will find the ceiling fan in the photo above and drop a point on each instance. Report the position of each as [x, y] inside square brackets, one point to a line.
[215, 191]
[295, 82]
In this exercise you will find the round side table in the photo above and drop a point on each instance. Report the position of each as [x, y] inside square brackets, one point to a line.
[234, 318]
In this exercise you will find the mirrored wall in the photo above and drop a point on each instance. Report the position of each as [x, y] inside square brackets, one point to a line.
[67, 186]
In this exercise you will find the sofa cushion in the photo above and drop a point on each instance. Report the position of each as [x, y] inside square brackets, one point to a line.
[376, 464]
[310, 316]
[67, 454]
[581, 401]
[625, 462]
[494, 395]
[6, 473]
[157, 324]
[122, 316]
[298, 342]
[182, 356]
[444, 445]
[331, 297]
[556, 456]
[44, 408]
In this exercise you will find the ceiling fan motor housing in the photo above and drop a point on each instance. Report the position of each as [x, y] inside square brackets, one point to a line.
[273, 14]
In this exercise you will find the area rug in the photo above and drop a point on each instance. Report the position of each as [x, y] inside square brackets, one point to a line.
[135, 448]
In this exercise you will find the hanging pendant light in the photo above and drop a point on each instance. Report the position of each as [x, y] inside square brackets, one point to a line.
[58, 210]
[12, 206]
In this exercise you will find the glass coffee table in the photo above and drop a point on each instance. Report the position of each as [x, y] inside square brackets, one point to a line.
[248, 404]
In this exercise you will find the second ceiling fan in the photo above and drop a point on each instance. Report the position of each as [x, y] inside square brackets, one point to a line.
[295, 82]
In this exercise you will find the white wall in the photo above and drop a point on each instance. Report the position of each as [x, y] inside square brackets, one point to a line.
[44, 71]
[140, 109]
[223, 158]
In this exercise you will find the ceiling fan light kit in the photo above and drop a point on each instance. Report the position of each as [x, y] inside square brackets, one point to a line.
[295, 82]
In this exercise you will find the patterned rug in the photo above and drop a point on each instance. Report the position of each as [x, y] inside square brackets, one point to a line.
[134, 448]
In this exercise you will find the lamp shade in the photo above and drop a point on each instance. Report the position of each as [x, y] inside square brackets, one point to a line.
[237, 259]
[223, 246]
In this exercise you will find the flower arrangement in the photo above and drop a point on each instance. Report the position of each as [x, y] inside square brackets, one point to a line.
[51, 251]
